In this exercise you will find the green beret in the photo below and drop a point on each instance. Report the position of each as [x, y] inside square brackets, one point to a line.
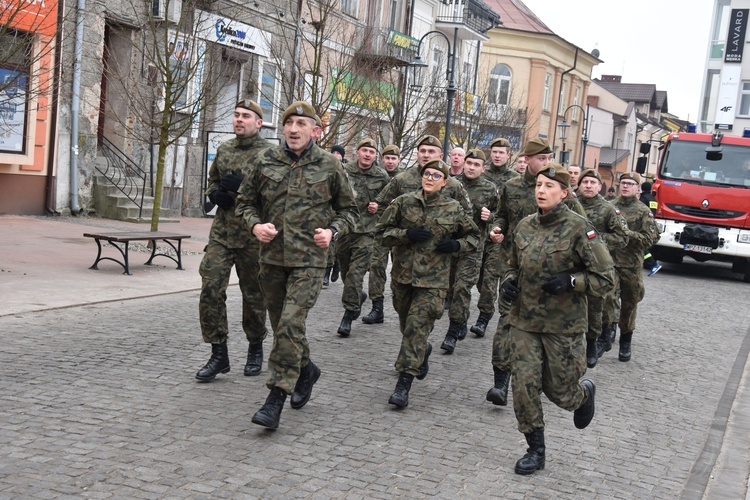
[476, 154]
[536, 146]
[430, 140]
[500, 143]
[368, 143]
[590, 172]
[436, 164]
[632, 176]
[556, 172]
[391, 149]
[300, 108]
[318, 121]
[252, 106]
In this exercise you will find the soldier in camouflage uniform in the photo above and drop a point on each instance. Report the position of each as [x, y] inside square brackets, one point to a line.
[391, 155]
[231, 244]
[612, 228]
[425, 229]
[354, 248]
[332, 262]
[295, 202]
[492, 267]
[642, 234]
[483, 196]
[516, 202]
[556, 260]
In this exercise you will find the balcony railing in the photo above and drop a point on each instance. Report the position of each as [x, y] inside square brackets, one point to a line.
[473, 13]
[388, 47]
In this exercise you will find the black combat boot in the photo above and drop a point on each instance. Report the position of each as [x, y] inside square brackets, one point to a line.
[254, 359]
[270, 413]
[625, 338]
[376, 315]
[464, 330]
[425, 367]
[449, 344]
[400, 397]
[345, 328]
[217, 363]
[604, 342]
[327, 275]
[592, 355]
[612, 333]
[303, 388]
[479, 328]
[335, 271]
[584, 413]
[533, 460]
[498, 395]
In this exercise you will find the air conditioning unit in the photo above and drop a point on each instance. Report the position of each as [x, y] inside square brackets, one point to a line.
[169, 10]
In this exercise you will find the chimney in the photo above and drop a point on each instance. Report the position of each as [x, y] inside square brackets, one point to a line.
[612, 78]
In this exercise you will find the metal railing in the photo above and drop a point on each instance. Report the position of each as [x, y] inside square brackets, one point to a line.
[473, 13]
[123, 173]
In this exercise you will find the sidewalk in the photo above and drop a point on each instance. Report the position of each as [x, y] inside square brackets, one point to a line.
[44, 263]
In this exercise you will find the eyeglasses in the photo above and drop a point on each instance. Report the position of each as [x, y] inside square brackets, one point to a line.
[629, 184]
[434, 176]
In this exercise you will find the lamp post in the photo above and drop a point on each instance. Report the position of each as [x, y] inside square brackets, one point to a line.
[419, 65]
[563, 133]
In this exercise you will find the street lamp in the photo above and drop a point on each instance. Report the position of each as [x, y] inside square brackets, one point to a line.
[563, 133]
[419, 65]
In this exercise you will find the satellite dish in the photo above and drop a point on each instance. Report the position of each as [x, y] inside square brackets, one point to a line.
[595, 53]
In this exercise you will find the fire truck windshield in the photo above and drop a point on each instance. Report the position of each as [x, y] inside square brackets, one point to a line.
[686, 161]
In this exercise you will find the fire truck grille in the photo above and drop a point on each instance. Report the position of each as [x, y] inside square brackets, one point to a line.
[710, 213]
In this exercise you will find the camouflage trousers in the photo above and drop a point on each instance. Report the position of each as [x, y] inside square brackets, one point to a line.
[290, 293]
[611, 309]
[491, 270]
[466, 275]
[331, 255]
[501, 344]
[549, 363]
[595, 307]
[378, 266]
[215, 270]
[632, 291]
[418, 309]
[354, 252]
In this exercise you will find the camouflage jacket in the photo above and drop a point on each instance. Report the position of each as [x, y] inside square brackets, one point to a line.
[560, 241]
[499, 175]
[232, 157]
[607, 220]
[517, 200]
[482, 193]
[410, 181]
[367, 184]
[642, 232]
[419, 264]
[297, 195]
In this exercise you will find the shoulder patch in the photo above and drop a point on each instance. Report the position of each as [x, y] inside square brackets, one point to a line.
[617, 211]
[392, 201]
[591, 234]
[650, 215]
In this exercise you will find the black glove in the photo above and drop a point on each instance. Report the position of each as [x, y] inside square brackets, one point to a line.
[557, 284]
[447, 245]
[418, 234]
[223, 199]
[208, 205]
[231, 183]
[510, 291]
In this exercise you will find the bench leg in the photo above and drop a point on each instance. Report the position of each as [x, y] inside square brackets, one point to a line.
[123, 251]
[177, 249]
[98, 254]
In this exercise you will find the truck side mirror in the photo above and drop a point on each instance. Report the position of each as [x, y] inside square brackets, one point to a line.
[645, 148]
[640, 165]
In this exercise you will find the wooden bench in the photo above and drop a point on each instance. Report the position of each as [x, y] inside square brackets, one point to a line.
[126, 237]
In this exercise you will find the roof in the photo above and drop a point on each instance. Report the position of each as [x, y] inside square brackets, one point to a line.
[636, 92]
[661, 100]
[514, 14]
[609, 157]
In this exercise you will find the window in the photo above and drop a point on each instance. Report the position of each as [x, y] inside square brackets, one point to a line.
[574, 114]
[437, 66]
[393, 17]
[545, 98]
[350, 7]
[268, 90]
[499, 91]
[313, 90]
[561, 103]
[15, 50]
[744, 99]
[467, 78]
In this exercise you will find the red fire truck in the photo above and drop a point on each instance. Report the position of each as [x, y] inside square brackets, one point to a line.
[702, 187]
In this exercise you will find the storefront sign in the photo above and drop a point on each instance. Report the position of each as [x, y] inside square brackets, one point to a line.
[226, 31]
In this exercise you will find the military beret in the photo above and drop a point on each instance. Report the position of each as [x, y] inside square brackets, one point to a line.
[500, 142]
[436, 164]
[252, 106]
[367, 143]
[632, 176]
[430, 140]
[338, 148]
[590, 172]
[476, 154]
[391, 149]
[537, 146]
[556, 172]
[300, 108]
[318, 121]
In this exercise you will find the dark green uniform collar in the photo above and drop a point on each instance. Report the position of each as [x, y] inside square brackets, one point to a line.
[553, 215]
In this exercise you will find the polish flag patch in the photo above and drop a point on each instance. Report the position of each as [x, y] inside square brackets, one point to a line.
[591, 234]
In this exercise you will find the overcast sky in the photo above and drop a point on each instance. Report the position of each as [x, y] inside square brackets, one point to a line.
[664, 42]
